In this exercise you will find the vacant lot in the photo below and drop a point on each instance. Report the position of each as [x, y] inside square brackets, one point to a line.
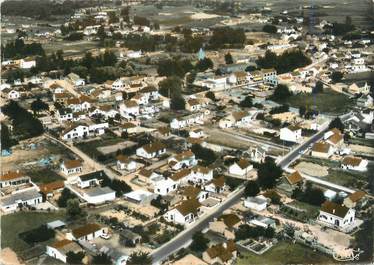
[90, 147]
[43, 175]
[14, 224]
[286, 253]
[327, 102]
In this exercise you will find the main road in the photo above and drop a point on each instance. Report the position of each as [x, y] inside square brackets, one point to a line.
[184, 238]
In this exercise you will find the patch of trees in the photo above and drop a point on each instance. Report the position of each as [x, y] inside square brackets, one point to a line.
[146, 42]
[336, 76]
[171, 87]
[39, 105]
[228, 58]
[6, 139]
[245, 231]
[74, 36]
[66, 195]
[284, 63]
[204, 64]
[251, 189]
[269, 29]
[119, 186]
[175, 67]
[25, 125]
[142, 21]
[281, 93]
[40, 234]
[159, 204]
[280, 109]
[246, 102]
[339, 29]
[337, 123]
[309, 195]
[73, 210]
[268, 173]
[45, 10]
[102, 259]
[19, 49]
[199, 242]
[227, 37]
[139, 258]
[74, 258]
[207, 155]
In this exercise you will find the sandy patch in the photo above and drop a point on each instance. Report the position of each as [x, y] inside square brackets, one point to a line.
[203, 15]
[312, 169]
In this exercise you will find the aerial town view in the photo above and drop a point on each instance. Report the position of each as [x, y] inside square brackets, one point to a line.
[187, 132]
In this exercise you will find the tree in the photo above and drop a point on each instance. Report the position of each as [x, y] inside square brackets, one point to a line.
[205, 154]
[64, 197]
[171, 87]
[204, 64]
[251, 189]
[318, 88]
[199, 242]
[139, 258]
[40, 234]
[336, 76]
[102, 259]
[227, 37]
[73, 209]
[210, 95]
[228, 58]
[6, 140]
[269, 29]
[246, 102]
[74, 258]
[337, 123]
[302, 111]
[38, 105]
[281, 92]
[177, 103]
[268, 173]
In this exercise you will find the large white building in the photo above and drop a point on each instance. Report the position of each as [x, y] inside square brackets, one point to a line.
[291, 134]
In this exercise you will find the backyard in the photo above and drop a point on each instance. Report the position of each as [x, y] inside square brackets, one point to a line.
[14, 224]
[286, 253]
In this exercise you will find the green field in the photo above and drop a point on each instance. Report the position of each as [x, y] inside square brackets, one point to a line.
[44, 175]
[13, 224]
[286, 253]
[326, 102]
[90, 147]
[347, 178]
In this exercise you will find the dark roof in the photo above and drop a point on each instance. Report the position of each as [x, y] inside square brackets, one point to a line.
[294, 178]
[230, 219]
[356, 196]
[85, 230]
[93, 175]
[334, 209]
[188, 206]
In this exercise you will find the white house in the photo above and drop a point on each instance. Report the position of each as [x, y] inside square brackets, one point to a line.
[129, 107]
[27, 63]
[196, 133]
[59, 249]
[184, 213]
[13, 178]
[151, 150]
[200, 174]
[14, 94]
[290, 134]
[240, 168]
[336, 215]
[216, 185]
[164, 186]
[76, 131]
[182, 160]
[118, 85]
[87, 232]
[71, 167]
[257, 203]
[125, 163]
[193, 105]
[64, 114]
[186, 121]
[354, 163]
[236, 118]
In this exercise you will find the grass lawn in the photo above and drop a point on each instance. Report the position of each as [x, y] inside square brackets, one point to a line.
[44, 175]
[326, 102]
[286, 253]
[310, 210]
[13, 224]
[347, 178]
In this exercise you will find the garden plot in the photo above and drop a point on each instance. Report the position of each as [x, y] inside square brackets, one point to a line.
[312, 169]
[109, 149]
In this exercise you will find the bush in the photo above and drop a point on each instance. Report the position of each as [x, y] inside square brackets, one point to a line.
[269, 29]
[40, 234]
[205, 154]
[281, 92]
